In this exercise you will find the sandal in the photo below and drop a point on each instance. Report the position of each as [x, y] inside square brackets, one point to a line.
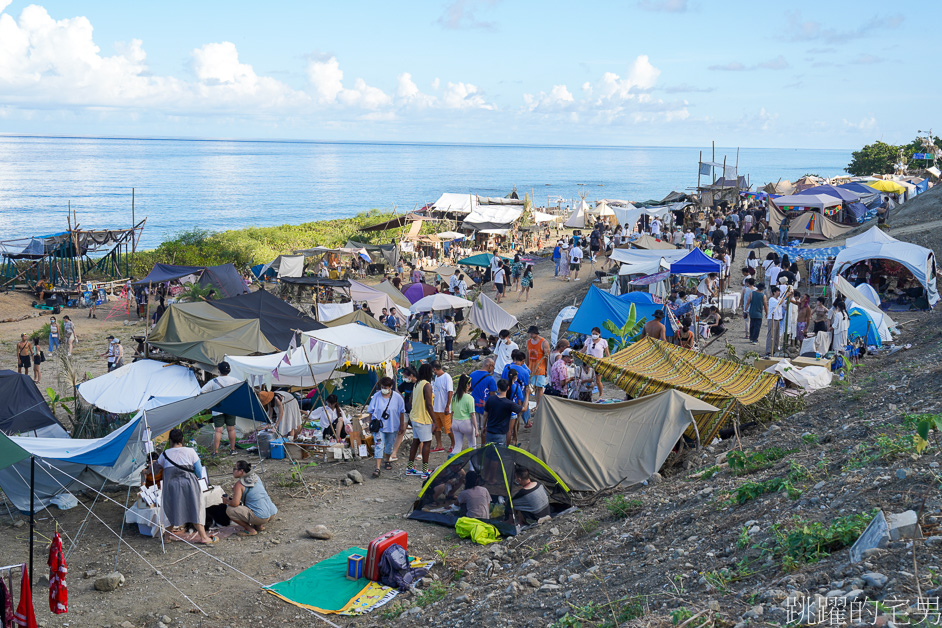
[389, 466]
[212, 541]
[246, 533]
[375, 473]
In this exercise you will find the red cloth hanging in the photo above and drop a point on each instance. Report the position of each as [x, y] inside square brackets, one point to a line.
[58, 593]
[24, 615]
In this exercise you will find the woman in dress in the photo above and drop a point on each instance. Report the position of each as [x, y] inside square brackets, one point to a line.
[526, 282]
[840, 323]
[181, 496]
[250, 507]
[564, 262]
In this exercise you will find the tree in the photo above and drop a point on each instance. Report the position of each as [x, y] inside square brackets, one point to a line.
[628, 333]
[876, 158]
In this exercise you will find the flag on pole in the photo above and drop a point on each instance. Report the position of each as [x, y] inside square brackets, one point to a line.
[313, 342]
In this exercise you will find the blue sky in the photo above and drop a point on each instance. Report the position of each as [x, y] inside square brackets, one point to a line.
[637, 72]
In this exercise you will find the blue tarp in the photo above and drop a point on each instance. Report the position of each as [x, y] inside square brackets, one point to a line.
[845, 194]
[225, 279]
[420, 352]
[91, 451]
[795, 252]
[695, 263]
[168, 272]
[599, 306]
[922, 186]
[645, 298]
[858, 211]
[862, 325]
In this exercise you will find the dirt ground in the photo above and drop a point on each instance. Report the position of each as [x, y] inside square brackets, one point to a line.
[591, 565]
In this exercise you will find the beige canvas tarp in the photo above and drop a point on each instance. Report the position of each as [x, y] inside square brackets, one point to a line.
[597, 446]
[205, 334]
[808, 225]
[651, 243]
[358, 316]
[397, 296]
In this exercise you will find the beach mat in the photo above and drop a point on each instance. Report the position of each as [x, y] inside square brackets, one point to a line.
[324, 587]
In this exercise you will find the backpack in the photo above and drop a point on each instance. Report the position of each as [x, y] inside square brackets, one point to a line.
[394, 569]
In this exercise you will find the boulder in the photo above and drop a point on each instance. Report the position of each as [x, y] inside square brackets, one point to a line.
[355, 476]
[319, 532]
[109, 582]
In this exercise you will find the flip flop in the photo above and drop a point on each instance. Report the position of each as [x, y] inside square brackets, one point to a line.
[389, 466]
[212, 541]
[244, 533]
[375, 473]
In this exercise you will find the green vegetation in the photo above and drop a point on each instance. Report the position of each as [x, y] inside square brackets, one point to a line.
[881, 158]
[627, 333]
[607, 615]
[804, 542]
[741, 463]
[435, 592]
[256, 245]
[620, 508]
[57, 401]
[886, 447]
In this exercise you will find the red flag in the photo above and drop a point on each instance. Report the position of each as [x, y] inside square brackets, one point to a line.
[24, 615]
[58, 592]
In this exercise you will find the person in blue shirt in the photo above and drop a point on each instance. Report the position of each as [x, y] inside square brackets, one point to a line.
[482, 385]
[519, 385]
[556, 258]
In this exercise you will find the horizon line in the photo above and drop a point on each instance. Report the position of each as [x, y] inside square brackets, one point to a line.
[376, 142]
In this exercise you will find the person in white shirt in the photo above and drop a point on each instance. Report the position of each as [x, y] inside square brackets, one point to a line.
[462, 286]
[772, 274]
[597, 347]
[678, 237]
[453, 283]
[688, 240]
[220, 419]
[448, 329]
[575, 262]
[442, 390]
[656, 227]
[500, 278]
[502, 353]
[776, 312]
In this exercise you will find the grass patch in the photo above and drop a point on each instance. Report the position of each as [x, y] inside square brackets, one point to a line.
[619, 507]
[607, 615]
[742, 463]
[807, 542]
[435, 592]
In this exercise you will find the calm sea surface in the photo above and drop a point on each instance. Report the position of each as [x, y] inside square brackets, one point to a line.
[218, 185]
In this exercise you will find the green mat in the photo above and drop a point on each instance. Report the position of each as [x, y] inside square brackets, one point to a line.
[324, 586]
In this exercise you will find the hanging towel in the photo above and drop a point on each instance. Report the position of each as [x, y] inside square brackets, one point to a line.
[58, 593]
[24, 616]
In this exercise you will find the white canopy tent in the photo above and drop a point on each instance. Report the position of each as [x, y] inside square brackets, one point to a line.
[285, 266]
[490, 317]
[457, 203]
[438, 301]
[601, 209]
[918, 260]
[490, 217]
[629, 216]
[814, 201]
[376, 299]
[544, 217]
[873, 234]
[640, 256]
[308, 366]
[360, 344]
[141, 385]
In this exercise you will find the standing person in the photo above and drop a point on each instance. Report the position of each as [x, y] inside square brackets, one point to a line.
[595, 243]
[70, 336]
[526, 282]
[757, 307]
[564, 261]
[520, 390]
[516, 271]
[500, 276]
[389, 408]
[53, 335]
[688, 240]
[497, 414]
[652, 329]
[449, 331]
[443, 389]
[538, 352]
[840, 323]
[220, 419]
[748, 285]
[775, 314]
[409, 377]
[575, 261]
[109, 352]
[288, 411]
[804, 318]
[732, 240]
[597, 347]
[482, 386]
[24, 354]
[422, 409]
[820, 316]
[249, 507]
[38, 358]
[463, 420]
[556, 257]
[181, 495]
[504, 351]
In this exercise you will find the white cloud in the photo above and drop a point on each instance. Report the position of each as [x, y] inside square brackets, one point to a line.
[462, 14]
[326, 78]
[558, 99]
[865, 124]
[464, 96]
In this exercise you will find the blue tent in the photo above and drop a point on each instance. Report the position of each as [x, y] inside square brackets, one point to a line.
[845, 194]
[922, 186]
[420, 352]
[857, 210]
[866, 192]
[862, 325]
[695, 263]
[645, 298]
[168, 272]
[599, 306]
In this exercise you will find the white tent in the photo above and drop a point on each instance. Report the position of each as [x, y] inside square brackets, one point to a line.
[543, 217]
[376, 299]
[873, 234]
[489, 217]
[490, 317]
[141, 385]
[565, 315]
[640, 256]
[327, 312]
[815, 201]
[577, 219]
[360, 344]
[918, 260]
[438, 301]
[601, 209]
[450, 235]
[457, 203]
[628, 216]
[308, 366]
[285, 266]
[865, 297]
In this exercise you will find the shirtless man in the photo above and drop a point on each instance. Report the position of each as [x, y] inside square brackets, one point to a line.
[655, 329]
[24, 354]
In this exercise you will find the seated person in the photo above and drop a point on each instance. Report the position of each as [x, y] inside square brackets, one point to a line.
[448, 490]
[714, 321]
[531, 502]
[328, 415]
[474, 498]
[249, 507]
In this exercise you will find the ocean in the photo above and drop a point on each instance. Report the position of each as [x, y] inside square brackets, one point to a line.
[223, 184]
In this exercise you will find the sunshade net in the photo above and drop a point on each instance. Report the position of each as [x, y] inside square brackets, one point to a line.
[649, 366]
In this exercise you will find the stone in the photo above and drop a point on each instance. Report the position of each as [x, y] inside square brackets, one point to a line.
[347, 482]
[91, 573]
[904, 525]
[19, 523]
[655, 479]
[126, 624]
[166, 619]
[319, 532]
[533, 582]
[549, 587]
[355, 476]
[554, 531]
[934, 541]
[835, 593]
[109, 582]
[902, 474]
[853, 595]
[754, 613]
[875, 579]
[876, 536]
[463, 599]
[713, 605]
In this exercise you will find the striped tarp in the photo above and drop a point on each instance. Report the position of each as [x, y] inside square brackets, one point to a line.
[650, 366]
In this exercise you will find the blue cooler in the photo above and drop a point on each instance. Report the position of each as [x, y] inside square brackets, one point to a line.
[278, 449]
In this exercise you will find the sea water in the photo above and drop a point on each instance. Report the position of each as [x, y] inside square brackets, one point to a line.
[222, 184]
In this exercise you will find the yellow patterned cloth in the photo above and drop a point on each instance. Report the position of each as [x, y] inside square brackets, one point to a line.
[376, 595]
[650, 366]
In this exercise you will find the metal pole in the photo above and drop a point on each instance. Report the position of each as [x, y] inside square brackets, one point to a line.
[32, 509]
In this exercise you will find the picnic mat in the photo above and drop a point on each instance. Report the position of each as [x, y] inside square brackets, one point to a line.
[324, 587]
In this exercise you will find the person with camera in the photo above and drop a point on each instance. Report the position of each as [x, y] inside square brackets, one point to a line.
[249, 506]
[387, 411]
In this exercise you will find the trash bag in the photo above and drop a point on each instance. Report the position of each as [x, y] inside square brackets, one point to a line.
[480, 532]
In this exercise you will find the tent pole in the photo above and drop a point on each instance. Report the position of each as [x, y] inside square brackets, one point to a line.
[121, 535]
[160, 523]
[32, 510]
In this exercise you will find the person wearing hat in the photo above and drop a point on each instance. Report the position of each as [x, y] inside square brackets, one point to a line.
[561, 372]
[655, 328]
[221, 419]
[597, 347]
[109, 352]
[118, 351]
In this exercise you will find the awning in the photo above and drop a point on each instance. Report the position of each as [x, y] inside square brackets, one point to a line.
[140, 385]
[490, 317]
[437, 302]
[362, 344]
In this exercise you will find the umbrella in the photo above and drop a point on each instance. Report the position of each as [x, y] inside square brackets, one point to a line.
[436, 302]
[415, 291]
[758, 244]
[887, 186]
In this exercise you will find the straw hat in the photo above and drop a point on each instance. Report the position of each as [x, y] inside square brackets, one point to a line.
[265, 396]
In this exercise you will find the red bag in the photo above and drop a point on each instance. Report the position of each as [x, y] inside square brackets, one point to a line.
[376, 549]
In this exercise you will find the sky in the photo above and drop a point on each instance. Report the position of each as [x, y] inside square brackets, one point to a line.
[629, 73]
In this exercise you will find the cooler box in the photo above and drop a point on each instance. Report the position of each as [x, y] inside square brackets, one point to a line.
[277, 449]
[378, 546]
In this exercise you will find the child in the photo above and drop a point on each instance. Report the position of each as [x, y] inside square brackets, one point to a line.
[526, 282]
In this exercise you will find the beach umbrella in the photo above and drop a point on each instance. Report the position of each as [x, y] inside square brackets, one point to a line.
[435, 302]
[415, 291]
[887, 186]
